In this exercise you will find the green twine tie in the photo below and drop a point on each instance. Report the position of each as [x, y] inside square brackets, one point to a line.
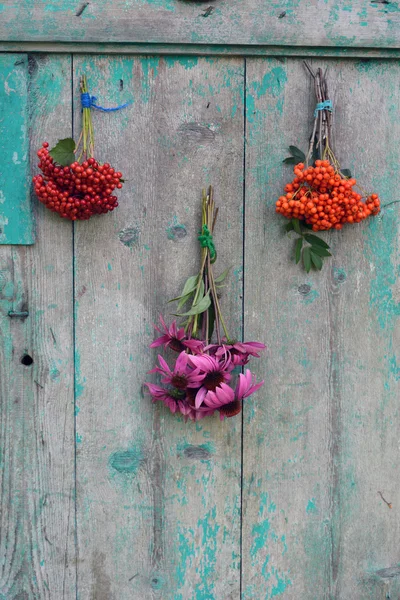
[206, 241]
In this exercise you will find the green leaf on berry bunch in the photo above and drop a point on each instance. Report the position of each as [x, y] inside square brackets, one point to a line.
[297, 156]
[309, 248]
[63, 152]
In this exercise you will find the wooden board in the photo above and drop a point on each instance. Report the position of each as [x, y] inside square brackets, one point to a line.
[37, 526]
[323, 439]
[233, 22]
[158, 500]
[16, 218]
[160, 509]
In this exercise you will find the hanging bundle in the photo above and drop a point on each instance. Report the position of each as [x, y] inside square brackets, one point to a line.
[74, 184]
[322, 195]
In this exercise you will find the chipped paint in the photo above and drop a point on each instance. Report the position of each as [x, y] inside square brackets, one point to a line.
[16, 218]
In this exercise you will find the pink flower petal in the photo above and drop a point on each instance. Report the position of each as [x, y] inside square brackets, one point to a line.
[201, 394]
[164, 365]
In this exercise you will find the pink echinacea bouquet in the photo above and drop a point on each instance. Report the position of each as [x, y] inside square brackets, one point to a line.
[202, 380]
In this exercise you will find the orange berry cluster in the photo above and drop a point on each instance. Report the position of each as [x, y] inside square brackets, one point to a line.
[323, 198]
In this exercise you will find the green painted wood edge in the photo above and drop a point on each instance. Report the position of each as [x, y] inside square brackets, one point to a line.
[16, 218]
[198, 50]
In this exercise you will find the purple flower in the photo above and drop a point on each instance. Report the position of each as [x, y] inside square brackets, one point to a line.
[175, 338]
[229, 402]
[175, 400]
[179, 401]
[240, 351]
[183, 376]
[214, 371]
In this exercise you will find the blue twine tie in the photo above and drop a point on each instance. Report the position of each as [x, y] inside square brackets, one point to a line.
[88, 101]
[326, 105]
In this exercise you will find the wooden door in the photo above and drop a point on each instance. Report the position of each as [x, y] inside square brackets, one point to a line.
[105, 496]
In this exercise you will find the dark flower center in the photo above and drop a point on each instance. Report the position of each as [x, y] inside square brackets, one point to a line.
[232, 409]
[177, 394]
[235, 351]
[213, 380]
[191, 396]
[176, 345]
[179, 381]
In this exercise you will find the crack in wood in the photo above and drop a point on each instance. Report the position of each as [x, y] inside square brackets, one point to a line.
[82, 9]
[208, 11]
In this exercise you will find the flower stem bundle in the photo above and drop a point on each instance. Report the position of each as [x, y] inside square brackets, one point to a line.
[201, 380]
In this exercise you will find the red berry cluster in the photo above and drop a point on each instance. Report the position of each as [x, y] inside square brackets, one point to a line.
[79, 191]
[323, 198]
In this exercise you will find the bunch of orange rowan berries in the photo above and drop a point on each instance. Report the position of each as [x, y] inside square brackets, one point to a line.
[325, 199]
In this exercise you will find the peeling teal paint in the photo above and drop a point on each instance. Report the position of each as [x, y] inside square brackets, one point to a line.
[150, 66]
[186, 555]
[127, 461]
[265, 543]
[311, 506]
[176, 231]
[210, 528]
[79, 381]
[310, 297]
[16, 216]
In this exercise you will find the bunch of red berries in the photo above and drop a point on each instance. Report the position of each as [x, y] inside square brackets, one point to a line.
[325, 199]
[78, 191]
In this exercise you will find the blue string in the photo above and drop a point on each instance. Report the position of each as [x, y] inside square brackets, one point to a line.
[326, 105]
[88, 101]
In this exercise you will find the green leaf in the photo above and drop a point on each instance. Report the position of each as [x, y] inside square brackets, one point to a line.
[315, 241]
[211, 321]
[315, 152]
[198, 308]
[320, 251]
[296, 226]
[299, 245]
[289, 227]
[190, 284]
[189, 288]
[290, 160]
[307, 259]
[63, 152]
[297, 153]
[201, 292]
[316, 260]
[183, 300]
[223, 275]
[346, 173]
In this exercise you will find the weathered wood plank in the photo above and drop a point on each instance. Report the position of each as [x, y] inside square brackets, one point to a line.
[158, 500]
[197, 50]
[157, 49]
[16, 222]
[37, 403]
[323, 440]
[252, 22]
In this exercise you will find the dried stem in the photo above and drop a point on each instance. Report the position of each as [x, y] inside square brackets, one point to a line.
[206, 276]
[86, 137]
[322, 121]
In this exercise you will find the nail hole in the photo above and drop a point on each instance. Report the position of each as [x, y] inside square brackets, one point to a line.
[27, 360]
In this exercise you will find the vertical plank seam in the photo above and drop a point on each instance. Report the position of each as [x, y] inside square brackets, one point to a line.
[74, 351]
[243, 304]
